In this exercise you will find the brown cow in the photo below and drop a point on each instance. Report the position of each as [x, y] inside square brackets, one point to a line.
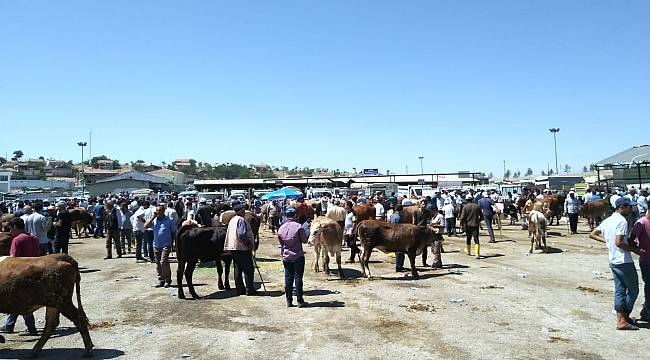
[5, 243]
[406, 238]
[326, 236]
[364, 212]
[595, 212]
[27, 284]
[555, 205]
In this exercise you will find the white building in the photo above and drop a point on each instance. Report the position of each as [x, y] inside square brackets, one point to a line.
[5, 181]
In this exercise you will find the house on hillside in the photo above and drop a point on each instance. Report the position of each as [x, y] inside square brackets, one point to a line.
[105, 164]
[176, 177]
[182, 163]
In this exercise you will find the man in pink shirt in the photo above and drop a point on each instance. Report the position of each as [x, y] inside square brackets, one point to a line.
[641, 234]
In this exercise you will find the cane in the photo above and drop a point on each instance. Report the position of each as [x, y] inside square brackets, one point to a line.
[259, 273]
[499, 222]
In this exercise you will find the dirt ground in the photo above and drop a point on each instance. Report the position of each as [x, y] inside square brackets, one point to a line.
[509, 305]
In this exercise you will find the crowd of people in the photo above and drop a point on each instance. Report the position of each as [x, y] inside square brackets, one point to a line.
[147, 227]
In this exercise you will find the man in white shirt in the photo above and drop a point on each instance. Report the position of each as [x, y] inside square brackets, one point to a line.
[450, 218]
[379, 209]
[642, 203]
[613, 232]
[615, 196]
[37, 225]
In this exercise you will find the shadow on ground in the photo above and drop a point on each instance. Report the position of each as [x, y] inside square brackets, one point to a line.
[59, 353]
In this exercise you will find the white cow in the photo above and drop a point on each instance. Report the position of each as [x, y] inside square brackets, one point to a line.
[537, 225]
[326, 236]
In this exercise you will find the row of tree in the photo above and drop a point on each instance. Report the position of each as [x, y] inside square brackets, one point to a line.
[529, 172]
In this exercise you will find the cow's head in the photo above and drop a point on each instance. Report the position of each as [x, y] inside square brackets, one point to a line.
[314, 231]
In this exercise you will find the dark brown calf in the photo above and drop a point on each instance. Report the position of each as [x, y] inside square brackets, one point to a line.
[406, 238]
[27, 284]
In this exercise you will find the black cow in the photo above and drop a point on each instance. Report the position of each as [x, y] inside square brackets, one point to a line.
[205, 244]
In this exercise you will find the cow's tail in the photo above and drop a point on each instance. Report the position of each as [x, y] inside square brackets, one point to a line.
[82, 314]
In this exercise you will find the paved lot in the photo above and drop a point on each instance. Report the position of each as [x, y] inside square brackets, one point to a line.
[507, 306]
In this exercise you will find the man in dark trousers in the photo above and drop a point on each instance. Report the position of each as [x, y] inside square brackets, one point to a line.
[240, 243]
[291, 236]
[112, 231]
[470, 218]
[63, 225]
[23, 244]
[572, 209]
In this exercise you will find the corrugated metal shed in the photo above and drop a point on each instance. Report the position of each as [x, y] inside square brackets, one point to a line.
[638, 154]
[136, 175]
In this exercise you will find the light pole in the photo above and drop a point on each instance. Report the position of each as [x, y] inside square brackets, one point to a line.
[504, 169]
[421, 168]
[82, 144]
[555, 131]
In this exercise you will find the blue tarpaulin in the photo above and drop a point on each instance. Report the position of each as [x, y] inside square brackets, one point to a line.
[282, 194]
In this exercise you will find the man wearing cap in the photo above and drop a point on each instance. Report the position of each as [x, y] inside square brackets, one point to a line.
[99, 219]
[450, 217]
[63, 226]
[642, 203]
[240, 242]
[23, 245]
[291, 236]
[36, 224]
[470, 218]
[613, 232]
[572, 209]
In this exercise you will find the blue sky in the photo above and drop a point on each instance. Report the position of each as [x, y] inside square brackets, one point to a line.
[337, 84]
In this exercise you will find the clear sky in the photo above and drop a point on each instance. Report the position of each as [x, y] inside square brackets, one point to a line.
[337, 84]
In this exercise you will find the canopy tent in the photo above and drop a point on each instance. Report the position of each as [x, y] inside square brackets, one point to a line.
[142, 192]
[284, 193]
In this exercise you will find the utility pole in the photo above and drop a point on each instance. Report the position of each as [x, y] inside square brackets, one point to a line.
[504, 169]
[421, 168]
[555, 131]
[82, 144]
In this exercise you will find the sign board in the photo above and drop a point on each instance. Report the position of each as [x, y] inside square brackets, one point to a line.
[463, 174]
[278, 182]
[420, 181]
[370, 172]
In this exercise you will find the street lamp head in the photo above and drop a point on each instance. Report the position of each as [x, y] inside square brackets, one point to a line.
[554, 130]
[82, 143]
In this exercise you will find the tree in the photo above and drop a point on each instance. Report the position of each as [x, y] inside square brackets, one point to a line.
[116, 164]
[550, 172]
[585, 169]
[490, 175]
[529, 172]
[2, 160]
[592, 167]
[567, 168]
[543, 173]
[507, 174]
[41, 158]
[18, 154]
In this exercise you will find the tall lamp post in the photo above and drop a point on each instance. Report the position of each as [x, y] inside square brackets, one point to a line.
[555, 131]
[421, 168]
[82, 144]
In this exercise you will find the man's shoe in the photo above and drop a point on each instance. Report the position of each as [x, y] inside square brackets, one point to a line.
[349, 261]
[160, 284]
[302, 304]
[119, 256]
[32, 332]
[7, 330]
[168, 284]
[107, 257]
[399, 269]
[290, 304]
[252, 293]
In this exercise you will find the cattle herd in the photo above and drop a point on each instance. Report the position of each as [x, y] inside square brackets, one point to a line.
[27, 284]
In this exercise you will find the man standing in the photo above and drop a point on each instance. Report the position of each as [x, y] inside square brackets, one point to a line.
[23, 245]
[291, 236]
[487, 206]
[112, 231]
[348, 231]
[99, 219]
[396, 218]
[164, 230]
[438, 225]
[379, 209]
[239, 242]
[470, 218]
[642, 203]
[36, 224]
[641, 233]
[572, 209]
[147, 238]
[613, 232]
[125, 225]
[450, 218]
[274, 215]
[63, 226]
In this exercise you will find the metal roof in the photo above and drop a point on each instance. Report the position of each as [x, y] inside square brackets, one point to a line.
[136, 175]
[638, 154]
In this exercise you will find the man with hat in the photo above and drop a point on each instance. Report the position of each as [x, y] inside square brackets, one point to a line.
[470, 218]
[291, 236]
[572, 209]
[112, 231]
[613, 232]
[240, 243]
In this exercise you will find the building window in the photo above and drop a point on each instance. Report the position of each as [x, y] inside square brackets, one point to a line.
[4, 178]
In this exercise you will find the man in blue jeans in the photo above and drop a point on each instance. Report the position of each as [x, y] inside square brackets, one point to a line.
[291, 236]
[613, 232]
[396, 218]
[487, 206]
[23, 244]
